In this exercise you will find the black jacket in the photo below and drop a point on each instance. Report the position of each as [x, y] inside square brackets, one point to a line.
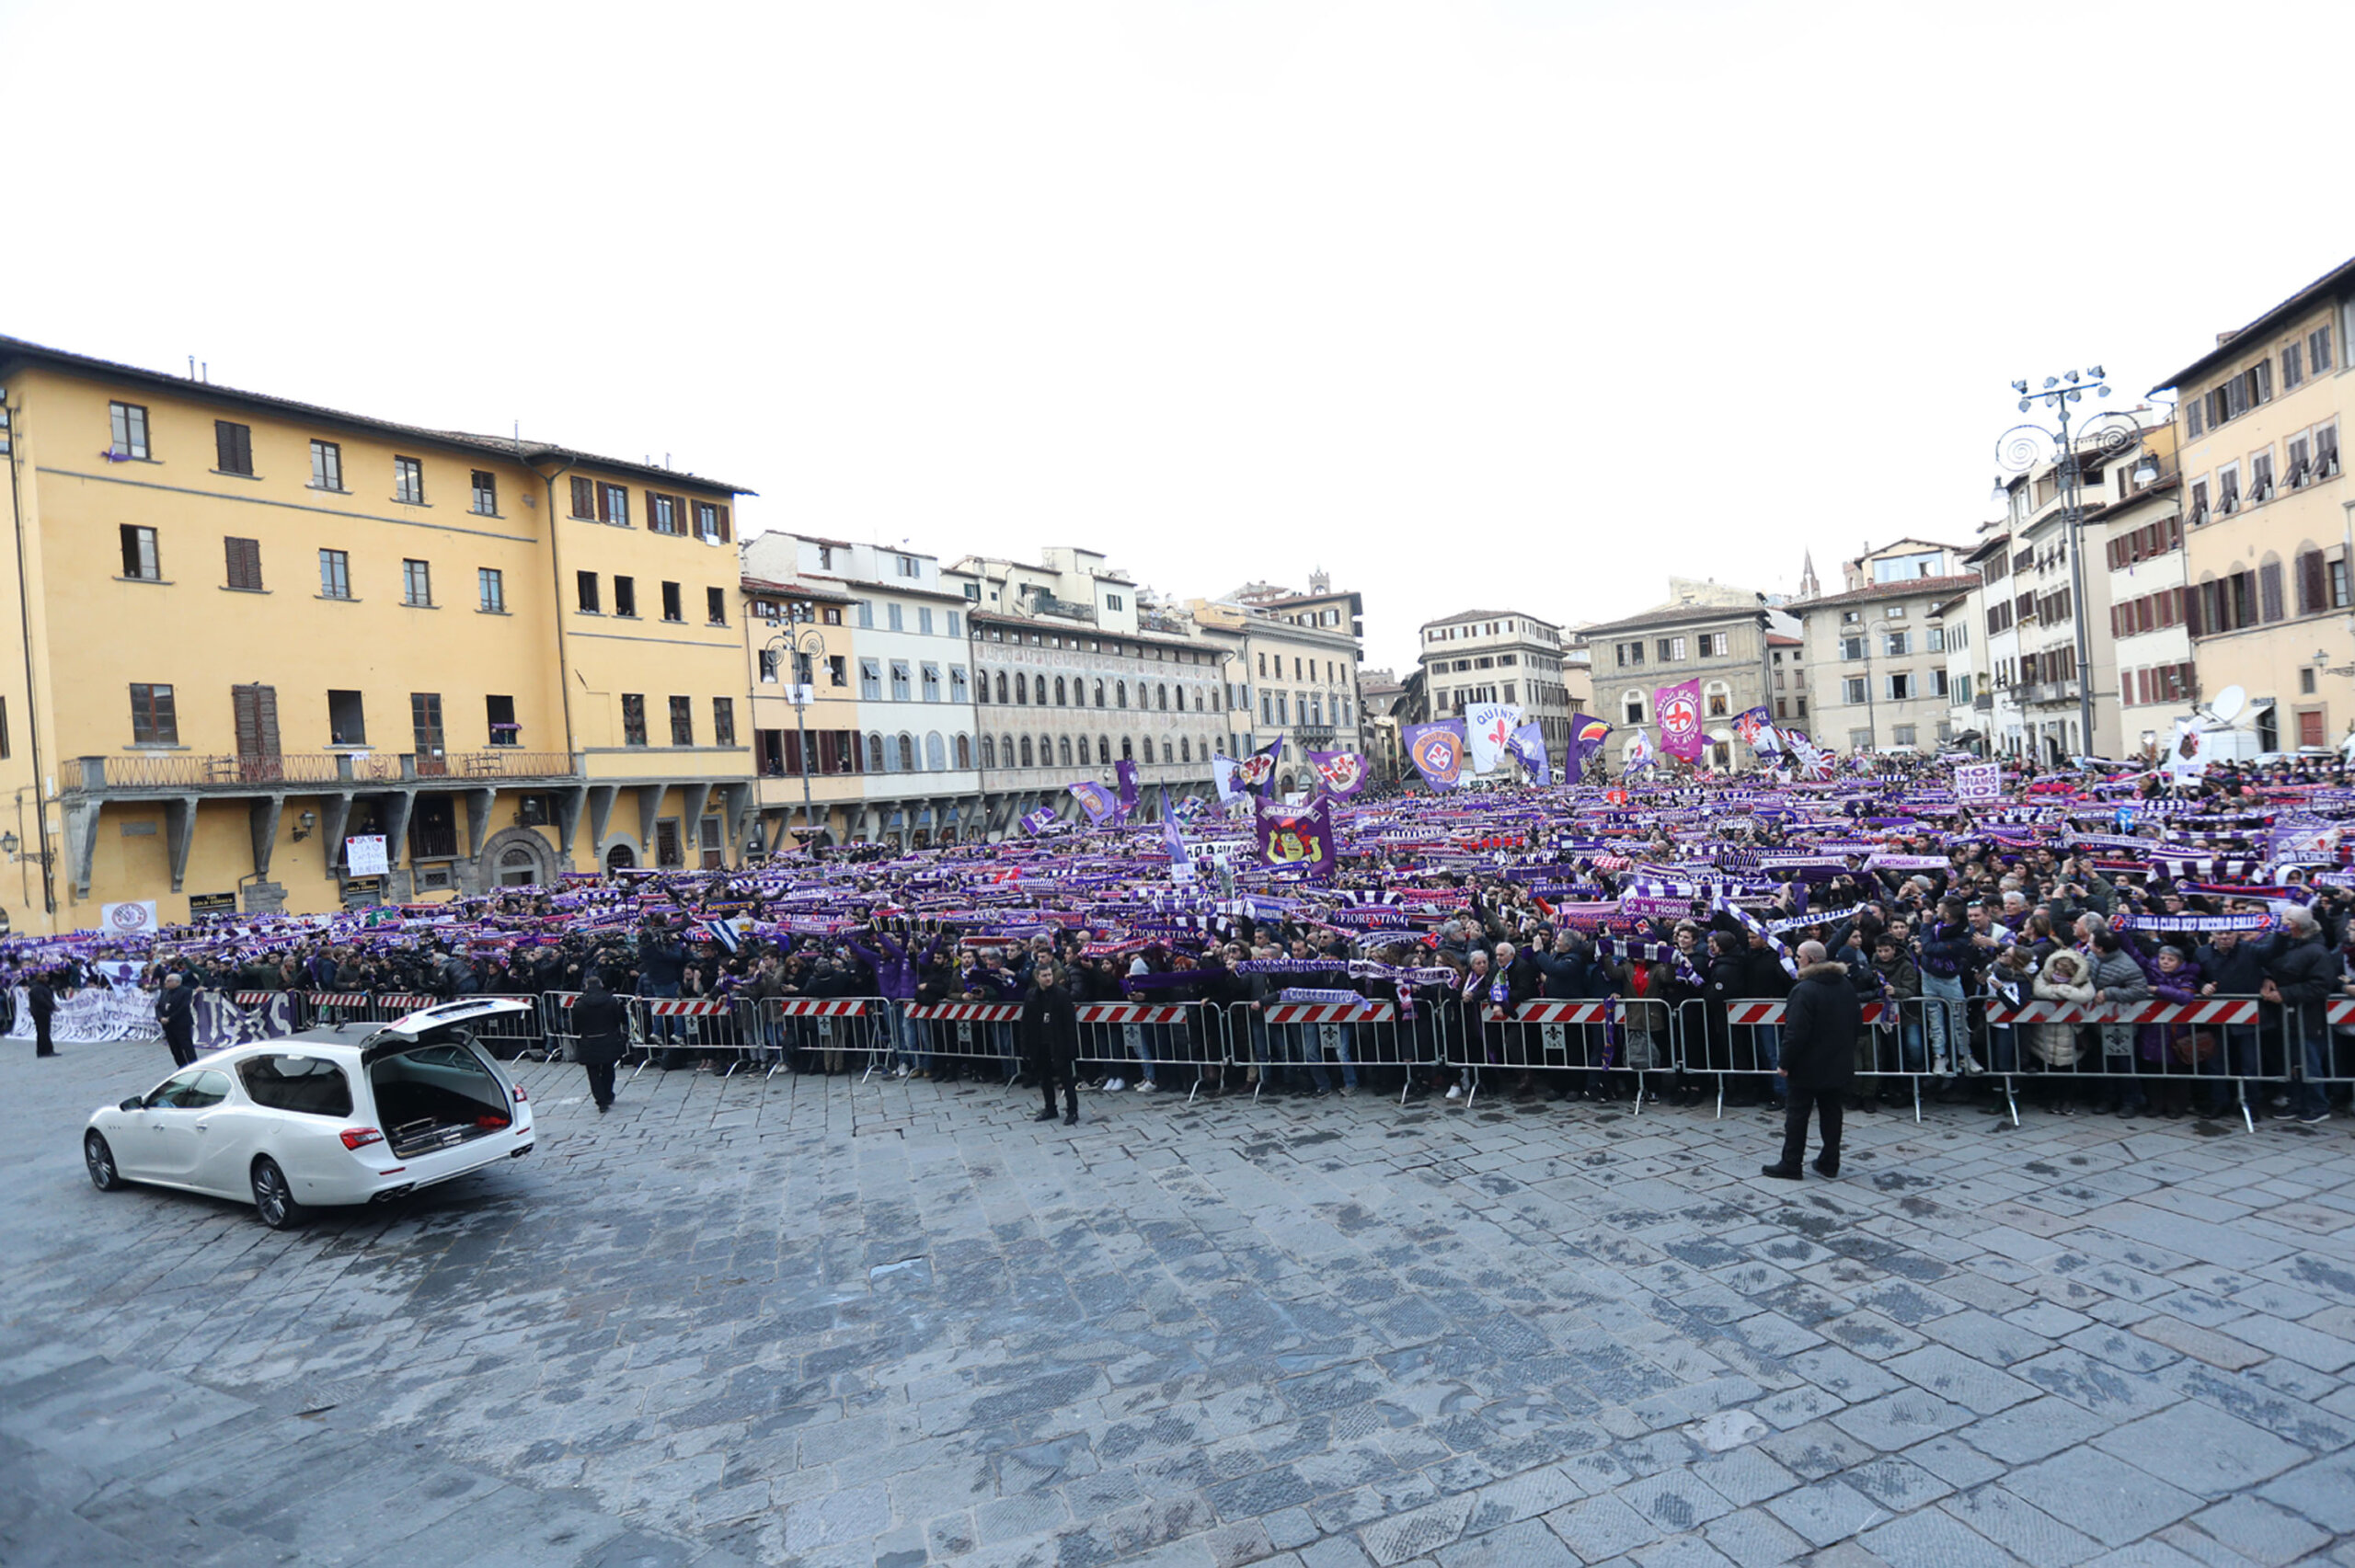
[600, 1021]
[1049, 1025]
[1820, 1025]
[176, 1007]
[2306, 974]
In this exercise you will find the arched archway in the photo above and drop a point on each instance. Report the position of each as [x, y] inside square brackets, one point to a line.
[620, 858]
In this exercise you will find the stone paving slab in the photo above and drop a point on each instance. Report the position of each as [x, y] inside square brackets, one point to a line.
[812, 1321]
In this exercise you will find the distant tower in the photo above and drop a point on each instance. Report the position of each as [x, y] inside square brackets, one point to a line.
[1808, 587]
[1320, 581]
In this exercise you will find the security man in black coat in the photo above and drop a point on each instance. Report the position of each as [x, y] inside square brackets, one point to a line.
[1050, 1029]
[40, 999]
[602, 1025]
[1820, 1025]
[175, 1009]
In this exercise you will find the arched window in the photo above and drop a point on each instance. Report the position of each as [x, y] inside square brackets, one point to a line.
[1128, 750]
[1634, 709]
[1066, 750]
[964, 751]
[1001, 685]
[989, 750]
[1047, 751]
[1121, 691]
[873, 753]
[1104, 750]
[1025, 750]
[982, 695]
[621, 857]
[1005, 751]
[1167, 753]
[518, 867]
[1021, 687]
[1099, 693]
[907, 752]
[1185, 748]
[1198, 700]
[936, 752]
[1061, 700]
[1164, 704]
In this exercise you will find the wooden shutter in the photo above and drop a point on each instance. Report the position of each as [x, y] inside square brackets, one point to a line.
[2268, 579]
[584, 498]
[255, 709]
[725, 537]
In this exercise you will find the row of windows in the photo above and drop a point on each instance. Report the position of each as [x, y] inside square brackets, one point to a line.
[2052, 664]
[1074, 692]
[2308, 458]
[780, 753]
[870, 680]
[1787, 707]
[2147, 542]
[1312, 708]
[1009, 751]
[1895, 645]
[1673, 651]
[1336, 674]
[895, 619]
[682, 720]
[2163, 683]
[143, 562]
[589, 596]
[154, 720]
[232, 452]
[599, 501]
[2254, 385]
[1897, 686]
[1112, 646]
[1715, 701]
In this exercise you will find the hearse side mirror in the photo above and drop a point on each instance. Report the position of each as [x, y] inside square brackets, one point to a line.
[131, 1104]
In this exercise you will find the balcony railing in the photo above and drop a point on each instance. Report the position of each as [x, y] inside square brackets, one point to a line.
[186, 771]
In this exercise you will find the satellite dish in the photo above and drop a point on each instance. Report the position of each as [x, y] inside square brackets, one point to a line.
[2228, 703]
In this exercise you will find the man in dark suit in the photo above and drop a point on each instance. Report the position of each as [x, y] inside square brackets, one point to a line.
[601, 1026]
[40, 999]
[176, 1008]
[1820, 1025]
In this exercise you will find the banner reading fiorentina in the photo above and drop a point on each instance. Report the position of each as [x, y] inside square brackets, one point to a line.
[1297, 839]
[1528, 746]
[1342, 772]
[1587, 735]
[1437, 751]
[1487, 727]
[1100, 802]
[1678, 708]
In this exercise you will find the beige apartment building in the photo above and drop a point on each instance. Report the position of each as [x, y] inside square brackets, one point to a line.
[2266, 515]
[1706, 631]
[1504, 655]
[1874, 652]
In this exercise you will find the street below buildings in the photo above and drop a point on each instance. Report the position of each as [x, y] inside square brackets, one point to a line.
[814, 1322]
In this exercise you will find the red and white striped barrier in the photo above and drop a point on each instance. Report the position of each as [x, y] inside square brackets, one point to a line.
[2237, 1011]
[820, 1006]
[1331, 1013]
[1772, 1012]
[1130, 1013]
[684, 1007]
[968, 1012]
[252, 998]
[2342, 1011]
[1556, 1012]
[364, 999]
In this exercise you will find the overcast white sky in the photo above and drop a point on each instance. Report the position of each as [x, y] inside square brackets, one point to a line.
[1493, 301]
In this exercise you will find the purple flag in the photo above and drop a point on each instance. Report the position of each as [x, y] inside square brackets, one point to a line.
[1343, 772]
[1257, 773]
[1100, 804]
[1528, 744]
[1036, 821]
[1124, 773]
[1678, 708]
[1437, 751]
[1586, 736]
[1296, 838]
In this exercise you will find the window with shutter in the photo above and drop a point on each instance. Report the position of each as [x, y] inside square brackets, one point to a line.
[232, 447]
[2310, 583]
[244, 564]
[584, 498]
[2269, 578]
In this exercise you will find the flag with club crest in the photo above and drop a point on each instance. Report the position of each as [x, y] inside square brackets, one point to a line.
[1437, 751]
[1257, 773]
[1756, 727]
[1678, 709]
[1124, 774]
[1181, 860]
[1487, 727]
[1296, 837]
[1100, 804]
[1528, 746]
[1586, 736]
[1341, 773]
[1638, 756]
[1035, 822]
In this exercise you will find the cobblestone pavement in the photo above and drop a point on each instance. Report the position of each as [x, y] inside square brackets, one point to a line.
[900, 1324]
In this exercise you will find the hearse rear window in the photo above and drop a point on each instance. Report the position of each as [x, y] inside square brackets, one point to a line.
[309, 1085]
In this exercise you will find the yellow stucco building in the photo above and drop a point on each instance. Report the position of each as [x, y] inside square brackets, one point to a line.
[248, 630]
[2267, 516]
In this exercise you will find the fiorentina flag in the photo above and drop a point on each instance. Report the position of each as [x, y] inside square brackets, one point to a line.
[1192, 809]
[1222, 772]
[1757, 729]
[1342, 772]
[1181, 863]
[1296, 838]
[1487, 727]
[1587, 734]
[1678, 708]
[1437, 751]
[2187, 760]
[1637, 755]
[1812, 762]
[1035, 823]
[1124, 773]
[1528, 746]
[1100, 804]
[1257, 773]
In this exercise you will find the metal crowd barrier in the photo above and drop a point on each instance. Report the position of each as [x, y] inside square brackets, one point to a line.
[329, 1008]
[1312, 1037]
[2199, 1044]
[975, 1032]
[824, 1034]
[1584, 1035]
[1142, 1038]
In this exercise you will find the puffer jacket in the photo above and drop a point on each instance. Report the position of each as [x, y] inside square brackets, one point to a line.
[2056, 1043]
[2118, 978]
